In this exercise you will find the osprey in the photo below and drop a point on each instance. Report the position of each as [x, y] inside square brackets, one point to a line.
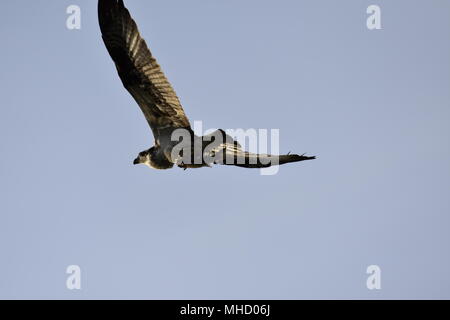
[175, 141]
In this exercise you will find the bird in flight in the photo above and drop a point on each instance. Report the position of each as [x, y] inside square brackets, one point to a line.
[175, 142]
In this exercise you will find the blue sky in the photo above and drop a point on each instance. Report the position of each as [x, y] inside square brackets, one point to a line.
[374, 106]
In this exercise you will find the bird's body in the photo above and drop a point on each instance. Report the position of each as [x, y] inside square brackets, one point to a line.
[175, 141]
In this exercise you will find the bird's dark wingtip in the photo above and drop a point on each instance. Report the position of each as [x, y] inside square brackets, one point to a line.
[304, 157]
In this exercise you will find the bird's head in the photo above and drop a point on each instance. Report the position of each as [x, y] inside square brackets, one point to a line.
[153, 158]
[144, 157]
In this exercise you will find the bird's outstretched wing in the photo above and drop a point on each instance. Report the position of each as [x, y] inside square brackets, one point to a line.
[235, 156]
[140, 73]
[227, 151]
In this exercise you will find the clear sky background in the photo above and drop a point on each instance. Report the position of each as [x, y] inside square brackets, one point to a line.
[374, 106]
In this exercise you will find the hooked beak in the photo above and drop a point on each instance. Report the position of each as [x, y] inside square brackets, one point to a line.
[136, 161]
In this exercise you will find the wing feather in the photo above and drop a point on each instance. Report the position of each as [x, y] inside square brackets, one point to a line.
[237, 157]
[230, 152]
[139, 71]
